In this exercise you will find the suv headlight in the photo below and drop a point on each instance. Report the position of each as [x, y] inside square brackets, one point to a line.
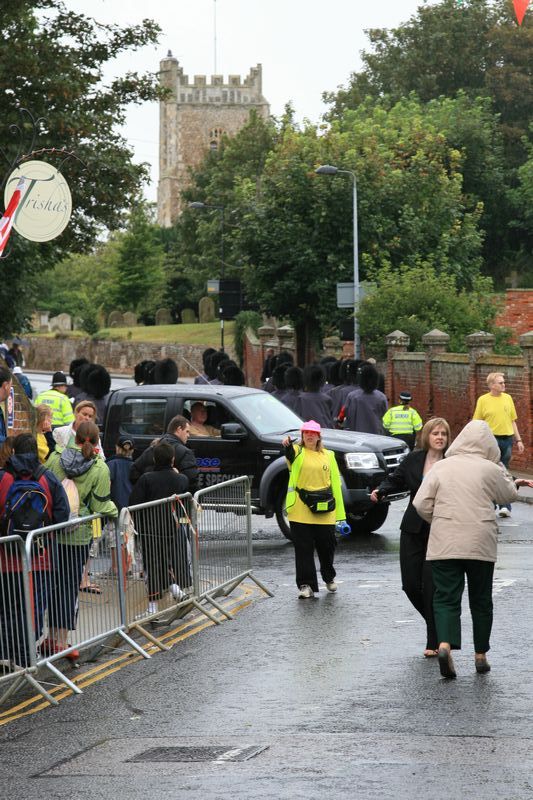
[361, 461]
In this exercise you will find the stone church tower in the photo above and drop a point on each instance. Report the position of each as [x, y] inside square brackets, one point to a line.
[193, 119]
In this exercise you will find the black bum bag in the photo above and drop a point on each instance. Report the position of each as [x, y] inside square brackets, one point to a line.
[319, 502]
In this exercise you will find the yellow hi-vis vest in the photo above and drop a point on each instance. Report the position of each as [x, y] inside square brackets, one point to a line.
[60, 406]
[336, 487]
[398, 420]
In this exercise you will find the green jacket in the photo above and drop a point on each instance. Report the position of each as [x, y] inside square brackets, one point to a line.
[93, 483]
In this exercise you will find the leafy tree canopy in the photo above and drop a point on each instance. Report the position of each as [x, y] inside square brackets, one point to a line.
[445, 47]
[416, 299]
[51, 62]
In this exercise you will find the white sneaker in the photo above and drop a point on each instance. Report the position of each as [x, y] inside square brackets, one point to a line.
[305, 592]
[177, 592]
[331, 586]
[504, 512]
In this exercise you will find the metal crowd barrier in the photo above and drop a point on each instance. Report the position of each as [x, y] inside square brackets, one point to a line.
[80, 583]
[223, 552]
[157, 538]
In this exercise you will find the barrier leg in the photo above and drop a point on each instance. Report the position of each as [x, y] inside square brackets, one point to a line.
[42, 691]
[199, 607]
[63, 678]
[261, 585]
[136, 646]
[12, 689]
[149, 636]
[218, 607]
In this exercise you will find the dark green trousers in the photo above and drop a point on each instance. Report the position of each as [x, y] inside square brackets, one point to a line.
[449, 583]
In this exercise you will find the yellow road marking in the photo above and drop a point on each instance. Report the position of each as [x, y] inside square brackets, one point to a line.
[101, 671]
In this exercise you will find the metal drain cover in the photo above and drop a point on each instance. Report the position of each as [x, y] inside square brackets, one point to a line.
[218, 755]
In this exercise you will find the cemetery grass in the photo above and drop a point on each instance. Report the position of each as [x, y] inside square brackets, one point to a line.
[202, 333]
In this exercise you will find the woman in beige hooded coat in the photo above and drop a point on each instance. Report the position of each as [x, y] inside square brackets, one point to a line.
[457, 497]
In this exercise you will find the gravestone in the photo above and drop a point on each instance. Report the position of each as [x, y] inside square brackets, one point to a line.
[206, 309]
[115, 319]
[163, 317]
[188, 316]
[130, 319]
[63, 322]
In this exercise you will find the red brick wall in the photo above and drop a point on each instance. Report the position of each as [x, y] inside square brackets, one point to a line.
[253, 361]
[449, 384]
[24, 416]
[518, 312]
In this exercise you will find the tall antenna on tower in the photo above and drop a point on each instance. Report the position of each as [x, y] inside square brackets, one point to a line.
[215, 32]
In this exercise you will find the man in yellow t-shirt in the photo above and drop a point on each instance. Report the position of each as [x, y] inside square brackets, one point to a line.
[497, 409]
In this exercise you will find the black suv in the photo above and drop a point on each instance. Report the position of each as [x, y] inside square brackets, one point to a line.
[252, 425]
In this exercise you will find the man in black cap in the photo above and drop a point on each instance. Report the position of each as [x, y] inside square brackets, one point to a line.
[402, 421]
[56, 398]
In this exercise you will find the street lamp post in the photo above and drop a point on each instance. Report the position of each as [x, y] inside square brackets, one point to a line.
[203, 206]
[328, 169]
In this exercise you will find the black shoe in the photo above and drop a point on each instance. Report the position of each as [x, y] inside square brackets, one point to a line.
[447, 669]
[482, 665]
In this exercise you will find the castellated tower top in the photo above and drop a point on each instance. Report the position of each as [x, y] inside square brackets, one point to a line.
[193, 119]
[200, 91]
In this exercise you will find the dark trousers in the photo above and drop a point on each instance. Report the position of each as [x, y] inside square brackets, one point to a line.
[417, 580]
[306, 539]
[505, 443]
[165, 560]
[14, 642]
[449, 581]
[68, 565]
[408, 438]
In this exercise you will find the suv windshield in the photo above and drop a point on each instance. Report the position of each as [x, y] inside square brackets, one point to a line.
[266, 414]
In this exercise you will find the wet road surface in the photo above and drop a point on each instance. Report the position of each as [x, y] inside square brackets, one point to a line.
[334, 693]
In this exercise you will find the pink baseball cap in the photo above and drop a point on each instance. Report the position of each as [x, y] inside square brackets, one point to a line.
[311, 427]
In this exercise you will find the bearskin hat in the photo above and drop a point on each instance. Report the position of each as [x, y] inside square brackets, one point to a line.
[165, 371]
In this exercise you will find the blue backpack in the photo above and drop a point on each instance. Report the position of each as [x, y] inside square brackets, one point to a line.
[26, 506]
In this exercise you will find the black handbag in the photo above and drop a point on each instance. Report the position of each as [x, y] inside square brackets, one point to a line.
[319, 502]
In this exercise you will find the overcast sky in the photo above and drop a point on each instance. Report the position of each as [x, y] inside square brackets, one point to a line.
[305, 46]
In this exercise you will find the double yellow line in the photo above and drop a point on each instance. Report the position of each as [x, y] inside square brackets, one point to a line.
[195, 625]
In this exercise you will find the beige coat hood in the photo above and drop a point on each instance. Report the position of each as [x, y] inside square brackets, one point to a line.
[476, 439]
[457, 497]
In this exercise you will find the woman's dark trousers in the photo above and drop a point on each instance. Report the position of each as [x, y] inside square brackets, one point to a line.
[306, 539]
[449, 582]
[417, 581]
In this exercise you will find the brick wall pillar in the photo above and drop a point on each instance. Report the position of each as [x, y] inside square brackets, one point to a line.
[525, 426]
[332, 346]
[23, 410]
[397, 342]
[286, 340]
[479, 344]
[435, 342]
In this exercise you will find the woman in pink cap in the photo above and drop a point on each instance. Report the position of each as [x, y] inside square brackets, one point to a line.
[314, 504]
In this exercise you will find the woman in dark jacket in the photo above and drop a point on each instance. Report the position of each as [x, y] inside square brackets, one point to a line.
[163, 537]
[416, 571]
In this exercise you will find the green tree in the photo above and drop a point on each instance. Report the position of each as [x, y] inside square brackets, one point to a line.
[444, 48]
[81, 281]
[51, 62]
[416, 299]
[231, 178]
[466, 51]
[140, 265]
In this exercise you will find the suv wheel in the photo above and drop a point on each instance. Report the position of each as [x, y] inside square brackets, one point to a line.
[281, 514]
[369, 521]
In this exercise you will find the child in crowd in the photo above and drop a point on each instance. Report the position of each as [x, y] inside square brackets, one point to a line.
[45, 439]
[163, 539]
